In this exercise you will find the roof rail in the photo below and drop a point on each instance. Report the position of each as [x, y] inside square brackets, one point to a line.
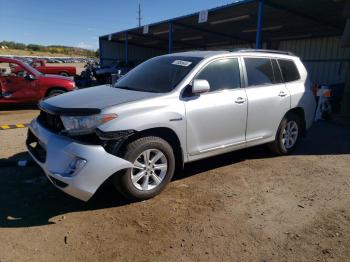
[263, 51]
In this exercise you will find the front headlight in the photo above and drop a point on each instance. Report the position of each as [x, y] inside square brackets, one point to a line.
[82, 125]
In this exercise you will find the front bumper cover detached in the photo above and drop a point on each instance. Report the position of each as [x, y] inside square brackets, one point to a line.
[76, 168]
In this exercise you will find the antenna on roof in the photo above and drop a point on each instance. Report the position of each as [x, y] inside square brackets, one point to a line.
[139, 15]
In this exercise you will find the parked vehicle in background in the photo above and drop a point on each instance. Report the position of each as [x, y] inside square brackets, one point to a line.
[41, 66]
[21, 83]
[93, 74]
[166, 112]
[86, 77]
[104, 74]
[29, 59]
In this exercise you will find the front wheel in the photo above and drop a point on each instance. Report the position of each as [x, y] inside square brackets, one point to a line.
[287, 135]
[154, 165]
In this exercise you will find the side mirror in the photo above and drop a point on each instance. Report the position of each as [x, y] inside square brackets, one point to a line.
[200, 86]
[30, 77]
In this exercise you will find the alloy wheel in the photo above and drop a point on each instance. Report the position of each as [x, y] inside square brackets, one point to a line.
[149, 170]
[290, 134]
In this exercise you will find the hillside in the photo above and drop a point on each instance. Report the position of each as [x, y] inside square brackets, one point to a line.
[13, 48]
[17, 52]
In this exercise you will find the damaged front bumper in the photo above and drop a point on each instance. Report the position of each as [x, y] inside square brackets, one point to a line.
[72, 166]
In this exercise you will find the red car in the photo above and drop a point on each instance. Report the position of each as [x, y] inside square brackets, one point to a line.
[21, 83]
[40, 65]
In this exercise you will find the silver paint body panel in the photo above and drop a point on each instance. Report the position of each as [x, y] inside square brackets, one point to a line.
[61, 151]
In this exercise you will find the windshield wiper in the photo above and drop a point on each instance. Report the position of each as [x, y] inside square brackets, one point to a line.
[125, 87]
[136, 89]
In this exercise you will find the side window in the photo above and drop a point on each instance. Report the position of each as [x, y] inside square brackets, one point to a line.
[5, 69]
[11, 70]
[17, 71]
[222, 74]
[259, 71]
[289, 70]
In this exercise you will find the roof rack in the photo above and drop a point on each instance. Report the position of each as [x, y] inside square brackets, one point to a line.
[263, 51]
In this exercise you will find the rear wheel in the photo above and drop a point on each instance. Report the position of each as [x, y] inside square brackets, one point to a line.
[287, 135]
[154, 166]
[55, 92]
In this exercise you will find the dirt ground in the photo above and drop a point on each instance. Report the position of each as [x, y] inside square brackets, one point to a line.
[248, 205]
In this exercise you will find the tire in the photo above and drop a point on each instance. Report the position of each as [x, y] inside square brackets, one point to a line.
[145, 182]
[55, 92]
[64, 74]
[284, 145]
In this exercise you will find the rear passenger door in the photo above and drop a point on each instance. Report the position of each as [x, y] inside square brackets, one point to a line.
[268, 98]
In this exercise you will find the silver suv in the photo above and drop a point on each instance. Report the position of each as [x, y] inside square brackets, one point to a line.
[166, 112]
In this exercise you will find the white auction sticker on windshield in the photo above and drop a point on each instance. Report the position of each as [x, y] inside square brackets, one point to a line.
[181, 63]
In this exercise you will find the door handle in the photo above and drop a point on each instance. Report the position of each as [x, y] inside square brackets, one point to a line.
[282, 94]
[240, 100]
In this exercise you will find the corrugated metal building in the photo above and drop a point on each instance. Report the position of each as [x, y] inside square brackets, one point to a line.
[313, 30]
[327, 62]
[112, 51]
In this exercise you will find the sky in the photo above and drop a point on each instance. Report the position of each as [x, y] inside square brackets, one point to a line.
[79, 22]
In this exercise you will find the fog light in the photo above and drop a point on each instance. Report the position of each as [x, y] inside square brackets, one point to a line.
[76, 165]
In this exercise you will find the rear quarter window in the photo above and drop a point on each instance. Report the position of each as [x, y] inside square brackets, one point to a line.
[289, 70]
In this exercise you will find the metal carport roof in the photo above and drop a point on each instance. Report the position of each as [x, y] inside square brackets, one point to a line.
[238, 23]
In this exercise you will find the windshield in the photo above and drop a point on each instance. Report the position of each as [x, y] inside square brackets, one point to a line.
[159, 74]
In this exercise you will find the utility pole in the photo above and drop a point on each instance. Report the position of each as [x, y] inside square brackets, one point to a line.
[139, 15]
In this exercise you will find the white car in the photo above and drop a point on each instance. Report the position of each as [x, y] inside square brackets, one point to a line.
[168, 111]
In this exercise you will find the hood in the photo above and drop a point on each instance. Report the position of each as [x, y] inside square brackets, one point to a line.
[95, 98]
[57, 77]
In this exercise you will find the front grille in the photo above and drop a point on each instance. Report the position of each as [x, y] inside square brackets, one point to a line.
[50, 121]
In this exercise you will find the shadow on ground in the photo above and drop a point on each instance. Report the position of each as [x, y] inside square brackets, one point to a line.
[28, 199]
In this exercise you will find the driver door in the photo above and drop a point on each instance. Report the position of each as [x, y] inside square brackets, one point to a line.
[16, 85]
[216, 120]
